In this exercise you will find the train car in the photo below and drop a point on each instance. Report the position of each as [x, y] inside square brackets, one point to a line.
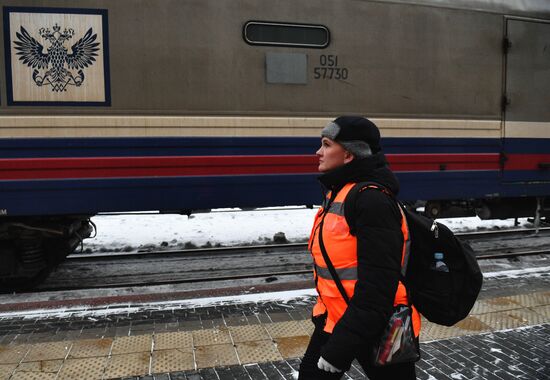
[184, 105]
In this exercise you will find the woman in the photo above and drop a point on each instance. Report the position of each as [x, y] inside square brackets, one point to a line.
[368, 261]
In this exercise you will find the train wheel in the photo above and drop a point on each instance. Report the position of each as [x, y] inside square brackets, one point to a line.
[27, 264]
[30, 249]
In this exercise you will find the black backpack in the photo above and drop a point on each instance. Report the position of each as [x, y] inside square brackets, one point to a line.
[442, 297]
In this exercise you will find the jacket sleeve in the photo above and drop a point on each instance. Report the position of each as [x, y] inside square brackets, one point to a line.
[379, 246]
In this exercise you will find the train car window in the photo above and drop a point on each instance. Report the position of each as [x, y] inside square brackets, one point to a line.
[286, 34]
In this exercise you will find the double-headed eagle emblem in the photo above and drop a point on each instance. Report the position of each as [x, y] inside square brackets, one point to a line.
[57, 62]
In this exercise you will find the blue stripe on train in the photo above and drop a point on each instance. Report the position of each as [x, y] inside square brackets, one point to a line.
[218, 146]
[48, 197]
[527, 145]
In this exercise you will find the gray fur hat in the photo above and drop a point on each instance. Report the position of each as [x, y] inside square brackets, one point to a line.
[356, 134]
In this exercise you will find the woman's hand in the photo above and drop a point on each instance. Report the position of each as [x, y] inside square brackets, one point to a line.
[326, 366]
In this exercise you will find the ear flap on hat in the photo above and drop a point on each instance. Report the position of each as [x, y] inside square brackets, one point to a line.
[331, 131]
[359, 149]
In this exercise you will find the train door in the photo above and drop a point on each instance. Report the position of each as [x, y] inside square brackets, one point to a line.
[526, 107]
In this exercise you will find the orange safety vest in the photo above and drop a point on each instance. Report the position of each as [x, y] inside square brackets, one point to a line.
[341, 246]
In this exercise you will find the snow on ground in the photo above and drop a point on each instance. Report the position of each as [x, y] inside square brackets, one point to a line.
[87, 311]
[227, 227]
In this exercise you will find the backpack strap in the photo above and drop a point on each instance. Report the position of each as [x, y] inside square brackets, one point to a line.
[351, 216]
[351, 200]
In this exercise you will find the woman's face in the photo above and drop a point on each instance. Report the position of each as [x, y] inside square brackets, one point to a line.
[332, 155]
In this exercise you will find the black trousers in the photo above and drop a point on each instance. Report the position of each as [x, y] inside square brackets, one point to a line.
[310, 371]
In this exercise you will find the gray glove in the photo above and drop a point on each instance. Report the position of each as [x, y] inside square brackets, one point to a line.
[326, 366]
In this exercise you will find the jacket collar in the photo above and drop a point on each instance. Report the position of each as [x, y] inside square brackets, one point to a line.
[373, 168]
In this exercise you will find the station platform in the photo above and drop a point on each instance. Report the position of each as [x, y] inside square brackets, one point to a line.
[505, 337]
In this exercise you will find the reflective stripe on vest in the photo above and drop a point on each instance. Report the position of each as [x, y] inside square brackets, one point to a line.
[342, 249]
[336, 208]
[343, 273]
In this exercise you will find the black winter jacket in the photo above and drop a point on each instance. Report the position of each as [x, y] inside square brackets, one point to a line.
[379, 245]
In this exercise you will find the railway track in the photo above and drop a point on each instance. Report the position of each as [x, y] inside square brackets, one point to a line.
[271, 262]
[467, 236]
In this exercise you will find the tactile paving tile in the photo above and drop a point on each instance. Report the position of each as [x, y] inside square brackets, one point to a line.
[136, 364]
[33, 376]
[48, 351]
[182, 340]
[292, 347]
[13, 354]
[527, 300]
[258, 352]
[6, 370]
[130, 344]
[248, 333]
[431, 331]
[172, 361]
[501, 320]
[481, 307]
[210, 337]
[501, 303]
[44, 366]
[527, 317]
[276, 316]
[543, 310]
[215, 355]
[542, 297]
[472, 323]
[87, 368]
[308, 326]
[90, 348]
[284, 329]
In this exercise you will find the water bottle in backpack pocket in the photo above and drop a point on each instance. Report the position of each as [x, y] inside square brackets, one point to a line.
[439, 265]
[437, 279]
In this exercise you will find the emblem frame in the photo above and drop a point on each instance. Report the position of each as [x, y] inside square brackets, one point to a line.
[76, 11]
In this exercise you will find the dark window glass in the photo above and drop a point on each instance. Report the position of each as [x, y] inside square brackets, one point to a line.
[282, 34]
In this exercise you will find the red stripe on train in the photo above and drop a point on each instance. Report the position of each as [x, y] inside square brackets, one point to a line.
[113, 167]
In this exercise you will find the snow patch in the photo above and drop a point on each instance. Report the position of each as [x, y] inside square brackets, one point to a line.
[527, 272]
[284, 296]
[134, 231]
[131, 232]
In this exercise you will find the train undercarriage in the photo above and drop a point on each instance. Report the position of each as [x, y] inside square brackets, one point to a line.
[492, 208]
[30, 247]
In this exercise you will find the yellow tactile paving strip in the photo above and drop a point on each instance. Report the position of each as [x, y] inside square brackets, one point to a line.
[134, 364]
[48, 351]
[131, 344]
[215, 355]
[211, 337]
[13, 354]
[86, 368]
[181, 340]
[6, 370]
[257, 351]
[88, 348]
[267, 341]
[172, 360]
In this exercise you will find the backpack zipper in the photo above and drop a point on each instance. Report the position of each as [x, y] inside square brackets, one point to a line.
[435, 229]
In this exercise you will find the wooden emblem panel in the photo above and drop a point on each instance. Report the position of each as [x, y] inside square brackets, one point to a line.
[57, 56]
